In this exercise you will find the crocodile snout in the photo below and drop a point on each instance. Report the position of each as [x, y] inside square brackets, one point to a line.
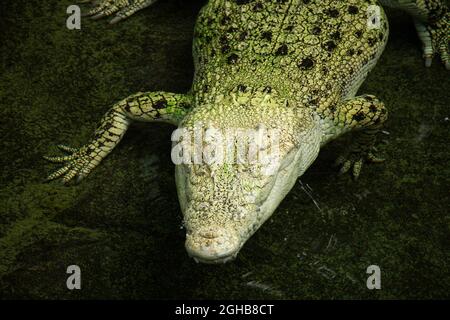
[212, 245]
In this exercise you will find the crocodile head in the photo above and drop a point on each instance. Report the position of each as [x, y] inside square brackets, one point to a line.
[224, 198]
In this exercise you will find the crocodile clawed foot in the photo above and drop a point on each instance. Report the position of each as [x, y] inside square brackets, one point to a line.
[78, 163]
[435, 39]
[122, 8]
[354, 161]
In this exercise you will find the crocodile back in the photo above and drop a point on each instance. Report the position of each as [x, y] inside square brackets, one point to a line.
[313, 51]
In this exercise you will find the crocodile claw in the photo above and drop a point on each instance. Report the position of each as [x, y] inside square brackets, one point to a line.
[435, 39]
[78, 163]
[354, 162]
[122, 8]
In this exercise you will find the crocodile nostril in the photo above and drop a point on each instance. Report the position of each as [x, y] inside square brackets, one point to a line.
[212, 244]
[209, 234]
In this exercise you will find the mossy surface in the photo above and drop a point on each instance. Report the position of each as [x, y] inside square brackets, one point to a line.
[122, 225]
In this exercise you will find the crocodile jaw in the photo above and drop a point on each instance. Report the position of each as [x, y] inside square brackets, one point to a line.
[219, 241]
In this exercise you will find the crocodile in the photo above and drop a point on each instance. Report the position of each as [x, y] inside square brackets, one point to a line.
[290, 65]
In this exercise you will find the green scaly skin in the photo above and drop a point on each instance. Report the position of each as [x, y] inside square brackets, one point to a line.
[292, 65]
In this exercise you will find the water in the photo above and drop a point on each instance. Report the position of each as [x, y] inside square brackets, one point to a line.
[122, 224]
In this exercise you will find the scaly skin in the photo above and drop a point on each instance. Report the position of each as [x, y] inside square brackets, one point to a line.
[290, 65]
[121, 8]
[431, 18]
[152, 106]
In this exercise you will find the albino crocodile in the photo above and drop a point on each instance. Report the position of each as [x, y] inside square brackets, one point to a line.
[291, 65]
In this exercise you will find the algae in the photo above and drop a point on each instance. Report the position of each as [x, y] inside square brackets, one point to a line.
[122, 225]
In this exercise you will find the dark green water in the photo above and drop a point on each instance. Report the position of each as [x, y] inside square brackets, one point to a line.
[122, 224]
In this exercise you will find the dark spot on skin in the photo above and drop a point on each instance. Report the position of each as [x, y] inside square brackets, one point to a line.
[225, 48]
[358, 33]
[359, 116]
[205, 88]
[329, 45]
[372, 41]
[325, 70]
[380, 36]
[350, 52]
[316, 30]
[332, 108]
[127, 108]
[282, 50]
[353, 10]
[306, 64]
[241, 2]
[383, 111]
[334, 13]
[258, 6]
[243, 35]
[184, 105]
[306, 1]
[359, 52]
[242, 88]
[267, 89]
[336, 35]
[289, 28]
[232, 58]
[160, 104]
[369, 98]
[313, 102]
[267, 35]
[436, 13]
[373, 108]
[223, 40]
[225, 20]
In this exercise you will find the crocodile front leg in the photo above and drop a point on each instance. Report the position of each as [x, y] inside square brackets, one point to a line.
[363, 114]
[432, 21]
[124, 8]
[151, 106]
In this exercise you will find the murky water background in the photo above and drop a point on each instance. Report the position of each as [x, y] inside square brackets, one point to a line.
[122, 225]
